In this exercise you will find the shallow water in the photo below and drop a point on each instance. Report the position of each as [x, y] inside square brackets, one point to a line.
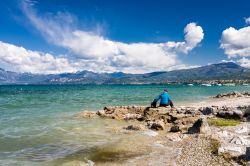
[38, 124]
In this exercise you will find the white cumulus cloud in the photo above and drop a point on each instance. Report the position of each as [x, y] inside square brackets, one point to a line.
[22, 60]
[244, 62]
[236, 43]
[92, 51]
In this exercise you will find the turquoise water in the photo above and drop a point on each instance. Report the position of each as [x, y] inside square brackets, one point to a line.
[38, 124]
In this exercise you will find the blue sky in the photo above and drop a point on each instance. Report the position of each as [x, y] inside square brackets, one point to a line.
[130, 36]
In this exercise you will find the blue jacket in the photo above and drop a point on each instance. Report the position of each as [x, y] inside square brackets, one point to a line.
[165, 98]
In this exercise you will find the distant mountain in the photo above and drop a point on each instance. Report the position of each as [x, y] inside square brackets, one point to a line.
[221, 71]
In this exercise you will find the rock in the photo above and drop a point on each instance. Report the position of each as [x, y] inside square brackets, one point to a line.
[248, 119]
[231, 95]
[230, 113]
[200, 126]
[130, 116]
[175, 128]
[135, 127]
[174, 116]
[157, 125]
[156, 113]
[232, 150]
[122, 112]
[208, 110]
[242, 129]
[248, 153]
[101, 113]
[150, 133]
[186, 121]
[240, 140]
[223, 134]
[247, 111]
[176, 137]
[86, 114]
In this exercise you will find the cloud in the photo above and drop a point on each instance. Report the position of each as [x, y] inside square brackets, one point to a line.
[247, 20]
[236, 43]
[92, 51]
[22, 60]
[244, 62]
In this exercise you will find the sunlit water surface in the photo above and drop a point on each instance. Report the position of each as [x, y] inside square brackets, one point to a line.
[38, 126]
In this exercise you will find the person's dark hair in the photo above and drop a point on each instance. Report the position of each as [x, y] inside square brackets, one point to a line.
[166, 90]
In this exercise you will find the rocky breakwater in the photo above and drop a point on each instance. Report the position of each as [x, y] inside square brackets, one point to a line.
[160, 118]
[190, 120]
[233, 95]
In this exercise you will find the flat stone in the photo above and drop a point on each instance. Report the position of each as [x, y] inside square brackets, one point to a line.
[150, 133]
[233, 150]
[242, 129]
[240, 140]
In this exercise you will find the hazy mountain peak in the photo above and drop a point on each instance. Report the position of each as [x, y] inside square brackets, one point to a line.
[220, 71]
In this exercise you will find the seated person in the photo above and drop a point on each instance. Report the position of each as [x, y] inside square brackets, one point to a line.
[164, 100]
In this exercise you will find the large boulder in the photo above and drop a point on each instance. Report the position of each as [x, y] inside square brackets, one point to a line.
[208, 110]
[236, 113]
[247, 111]
[156, 125]
[200, 126]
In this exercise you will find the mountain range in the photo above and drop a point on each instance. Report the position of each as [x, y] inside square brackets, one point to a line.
[220, 71]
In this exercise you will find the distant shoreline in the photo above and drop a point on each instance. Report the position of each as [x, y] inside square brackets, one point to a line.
[194, 82]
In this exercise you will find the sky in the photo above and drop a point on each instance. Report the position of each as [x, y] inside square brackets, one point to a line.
[131, 36]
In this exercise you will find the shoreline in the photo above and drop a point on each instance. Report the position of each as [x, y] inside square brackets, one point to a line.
[168, 131]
